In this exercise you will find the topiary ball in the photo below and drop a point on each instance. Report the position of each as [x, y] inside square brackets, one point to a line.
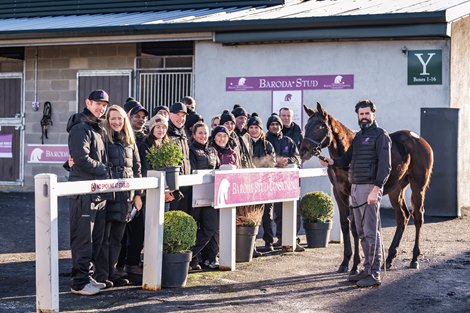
[317, 207]
[179, 232]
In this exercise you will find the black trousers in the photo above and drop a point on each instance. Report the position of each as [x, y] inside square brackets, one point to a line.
[267, 222]
[207, 238]
[87, 224]
[108, 256]
[133, 240]
[184, 204]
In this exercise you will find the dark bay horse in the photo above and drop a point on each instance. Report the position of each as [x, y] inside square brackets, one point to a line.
[412, 160]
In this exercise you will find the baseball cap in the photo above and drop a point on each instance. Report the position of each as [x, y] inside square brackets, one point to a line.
[178, 107]
[138, 108]
[99, 95]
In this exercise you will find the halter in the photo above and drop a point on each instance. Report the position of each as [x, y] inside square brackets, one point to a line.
[317, 146]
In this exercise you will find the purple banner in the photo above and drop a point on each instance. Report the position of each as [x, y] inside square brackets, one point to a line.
[6, 146]
[233, 189]
[48, 153]
[340, 81]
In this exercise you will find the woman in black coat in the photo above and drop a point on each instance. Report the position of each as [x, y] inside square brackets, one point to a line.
[204, 157]
[124, 162]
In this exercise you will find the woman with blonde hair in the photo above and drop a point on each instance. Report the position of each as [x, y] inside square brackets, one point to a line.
[123, 162]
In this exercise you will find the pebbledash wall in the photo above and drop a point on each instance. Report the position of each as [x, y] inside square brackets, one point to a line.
[379, 69]
[57, 68]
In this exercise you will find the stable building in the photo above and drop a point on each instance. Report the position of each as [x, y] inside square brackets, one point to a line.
[412, 58]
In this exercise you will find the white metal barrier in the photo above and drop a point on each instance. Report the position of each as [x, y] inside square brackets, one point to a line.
[47, 191]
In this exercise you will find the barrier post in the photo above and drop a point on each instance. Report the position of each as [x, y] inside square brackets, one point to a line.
[154, 216]
[47, 258]
[289, 225]
[227, 239]
[228, 223]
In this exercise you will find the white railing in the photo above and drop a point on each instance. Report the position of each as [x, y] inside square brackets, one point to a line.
[47, 191]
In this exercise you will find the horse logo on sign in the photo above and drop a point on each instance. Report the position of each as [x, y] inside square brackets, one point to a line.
[36, 155]
[222, 195]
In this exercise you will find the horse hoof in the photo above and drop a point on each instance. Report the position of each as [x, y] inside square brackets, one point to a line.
[414, 265]
[342, 269]
[389, 265]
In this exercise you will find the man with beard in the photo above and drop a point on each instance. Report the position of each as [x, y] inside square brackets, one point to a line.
[138, 116]
[369, 161]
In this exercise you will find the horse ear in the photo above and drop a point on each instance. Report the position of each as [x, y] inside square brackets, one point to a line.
[321, 110]
[308, 111]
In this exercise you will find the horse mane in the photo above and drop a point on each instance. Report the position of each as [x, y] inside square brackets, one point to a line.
[342, 137]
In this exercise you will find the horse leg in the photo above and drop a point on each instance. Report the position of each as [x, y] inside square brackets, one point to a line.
[342, 201]
[402, 216]
[417, 203]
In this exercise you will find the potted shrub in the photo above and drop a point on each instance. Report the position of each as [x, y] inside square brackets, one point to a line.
[317, 210]
[179, 236]
[167, 158]
[248, 221]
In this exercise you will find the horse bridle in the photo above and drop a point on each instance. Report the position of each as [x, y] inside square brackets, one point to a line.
[317, 145]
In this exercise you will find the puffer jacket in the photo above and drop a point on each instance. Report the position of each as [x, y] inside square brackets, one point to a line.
[262, 153]
[87, 147]
[124, 161]
[203, 157]
[294, 132]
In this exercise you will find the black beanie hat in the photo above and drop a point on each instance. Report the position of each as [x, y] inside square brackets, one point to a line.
[239, 111]
[226, 116]
[192, 118]
[274, 118]
[130, 104]
[255, 120]
[219, 129]
[157, 109]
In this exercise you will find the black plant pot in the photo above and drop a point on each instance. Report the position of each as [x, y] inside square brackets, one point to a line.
[175, 267]
[245, 241]
[172, 174]
[317, 234]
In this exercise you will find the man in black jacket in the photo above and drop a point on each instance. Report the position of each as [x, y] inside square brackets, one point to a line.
[369, 161]
[286, 153]
[176, 132]
[87, 146]
[289, 127]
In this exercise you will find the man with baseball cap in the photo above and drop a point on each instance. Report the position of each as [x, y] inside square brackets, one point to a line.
[87, 149]
[176, 132]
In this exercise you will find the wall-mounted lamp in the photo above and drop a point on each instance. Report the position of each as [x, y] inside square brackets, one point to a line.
[404, 50]
[35, 105]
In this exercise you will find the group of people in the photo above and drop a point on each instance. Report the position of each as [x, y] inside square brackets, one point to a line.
[111, 141]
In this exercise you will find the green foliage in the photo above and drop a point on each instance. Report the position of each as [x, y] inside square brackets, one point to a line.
[168, 154]
[317, 207]
[179, 232]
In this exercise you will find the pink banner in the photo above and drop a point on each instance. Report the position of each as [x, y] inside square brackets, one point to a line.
[6, 146]
[245, 83]
[234, 189]
[48, 153]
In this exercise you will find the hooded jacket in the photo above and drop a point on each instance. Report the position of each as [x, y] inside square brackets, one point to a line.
[87, 147]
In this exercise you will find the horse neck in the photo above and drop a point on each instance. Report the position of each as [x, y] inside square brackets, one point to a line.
[342, 137]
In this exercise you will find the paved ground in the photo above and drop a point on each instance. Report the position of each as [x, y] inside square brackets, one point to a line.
[289, 282]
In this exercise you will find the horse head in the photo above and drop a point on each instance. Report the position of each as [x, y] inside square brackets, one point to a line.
[317, 133]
